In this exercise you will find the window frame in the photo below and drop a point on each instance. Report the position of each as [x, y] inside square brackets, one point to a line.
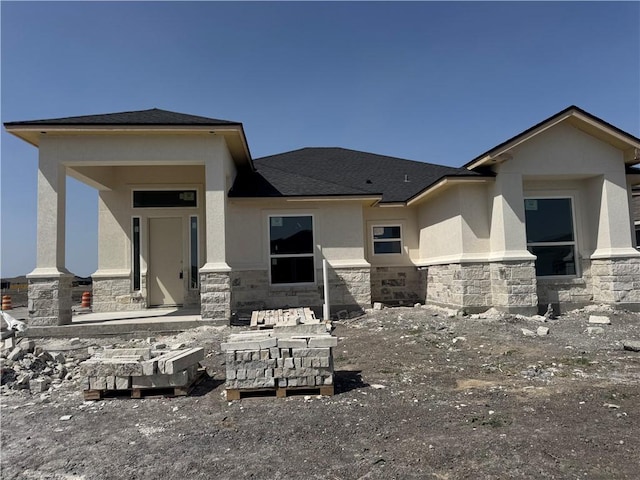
[383, 240]
[197, 253]
[573, 243]
[292, 255]
[168, 188]
[636, 232]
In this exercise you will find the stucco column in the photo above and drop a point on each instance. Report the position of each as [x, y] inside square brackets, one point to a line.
[615, 234]
[512, 268]
[215, 282]
[50, 282]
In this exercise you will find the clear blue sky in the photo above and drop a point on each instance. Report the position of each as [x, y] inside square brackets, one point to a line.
[437, 82]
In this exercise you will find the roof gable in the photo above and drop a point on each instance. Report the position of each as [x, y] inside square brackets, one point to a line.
[577, 117]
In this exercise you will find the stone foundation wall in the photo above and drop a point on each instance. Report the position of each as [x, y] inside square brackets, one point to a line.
[397, 285]
[514, 286]
[348, 287]
[460, 285]
[50, 300]
[215, 295]
[616, 281]
[566, 294]
[114, 295]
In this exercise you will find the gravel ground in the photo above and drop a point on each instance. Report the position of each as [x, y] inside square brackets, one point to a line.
[420, 393]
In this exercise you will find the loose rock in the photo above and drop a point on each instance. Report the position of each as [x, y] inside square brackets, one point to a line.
[631, 345]
[599, 319]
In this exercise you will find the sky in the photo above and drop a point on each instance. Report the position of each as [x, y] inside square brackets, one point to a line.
[440, 82]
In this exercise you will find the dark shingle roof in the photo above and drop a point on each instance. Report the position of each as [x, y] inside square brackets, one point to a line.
[338, 171]
[153, 116]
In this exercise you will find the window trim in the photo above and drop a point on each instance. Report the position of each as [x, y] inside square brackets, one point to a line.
[374, 240]
[291, 255]
[574, 242]
[636, 229]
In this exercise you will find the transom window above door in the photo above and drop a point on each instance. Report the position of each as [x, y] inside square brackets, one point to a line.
[164, 198]
[291, 249]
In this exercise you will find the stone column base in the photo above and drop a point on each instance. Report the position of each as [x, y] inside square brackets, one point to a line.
[50, 300]
[113, 294]
[215, 296]
[460, 285]
[616, 281]
[514, 287]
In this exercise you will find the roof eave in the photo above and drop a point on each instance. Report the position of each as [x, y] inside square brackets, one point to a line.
[444, 182]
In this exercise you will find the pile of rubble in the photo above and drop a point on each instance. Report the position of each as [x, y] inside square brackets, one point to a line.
[139, 368]
[285, 357]
[28, 366]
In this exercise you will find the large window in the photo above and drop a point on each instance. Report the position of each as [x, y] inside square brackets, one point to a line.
[550, 235]
[291, 249]
[387, 239]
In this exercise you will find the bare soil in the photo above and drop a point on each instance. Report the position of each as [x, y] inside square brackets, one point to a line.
[419, 394]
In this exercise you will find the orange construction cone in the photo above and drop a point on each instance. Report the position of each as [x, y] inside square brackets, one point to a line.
[86, 300]
[6, 302]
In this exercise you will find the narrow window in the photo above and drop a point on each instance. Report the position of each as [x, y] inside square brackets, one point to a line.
[193, 242]
[638, 236]
[550, 235]
[291, 249]
[136, 253]
[387, 239]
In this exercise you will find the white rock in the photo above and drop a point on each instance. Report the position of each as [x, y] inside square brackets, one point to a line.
[542, 331]
[65, 418]
[595, 330]
[599, 319]
[74, 341]
[377, 386]
[528, 333]
[377, 306]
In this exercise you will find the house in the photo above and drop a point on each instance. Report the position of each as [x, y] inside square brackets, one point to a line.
[188, 217]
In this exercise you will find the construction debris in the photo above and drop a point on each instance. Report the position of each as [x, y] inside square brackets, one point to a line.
[137, 369]
[599, 320]
[285, 358]
[264, 319]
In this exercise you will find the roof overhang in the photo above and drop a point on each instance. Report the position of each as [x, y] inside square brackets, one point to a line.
[371, 200]
[576, 117]
[446, 182]
[233, 134]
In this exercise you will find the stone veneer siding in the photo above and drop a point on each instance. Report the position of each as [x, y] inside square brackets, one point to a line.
[566, 294]
[397, 285]
[348, 288]
[460, 285]
[616, 281]
[514, 286]
[50, 300]
[114, 294]
[215, 295]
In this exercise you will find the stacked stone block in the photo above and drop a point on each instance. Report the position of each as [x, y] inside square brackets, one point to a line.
[140, 368]
[279, 359]
[616, 281]
[514, 286]
[460, 285]
[215, 295]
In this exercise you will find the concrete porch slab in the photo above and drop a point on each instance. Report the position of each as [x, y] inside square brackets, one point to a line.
[166, 320]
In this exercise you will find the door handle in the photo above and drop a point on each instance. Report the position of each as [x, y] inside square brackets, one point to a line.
[181, 275]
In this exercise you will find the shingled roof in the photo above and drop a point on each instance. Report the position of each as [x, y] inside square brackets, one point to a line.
[154, 116]
[340, 172]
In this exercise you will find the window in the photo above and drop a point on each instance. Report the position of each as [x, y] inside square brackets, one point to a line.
[550, 235]
[164, 198]
[193, 252]
[387, 239]
[136, 253]
[638, 236]
[291, 249]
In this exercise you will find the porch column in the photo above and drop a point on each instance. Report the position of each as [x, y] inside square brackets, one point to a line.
[512, 267]
[215, 283]
[50, 282]
[615, 264]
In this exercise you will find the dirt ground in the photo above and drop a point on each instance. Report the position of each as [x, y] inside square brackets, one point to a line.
[419, 394]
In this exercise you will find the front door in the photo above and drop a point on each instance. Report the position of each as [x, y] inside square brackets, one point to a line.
[166, 282]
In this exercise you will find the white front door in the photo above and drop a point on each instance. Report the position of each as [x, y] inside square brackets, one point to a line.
[166, 278]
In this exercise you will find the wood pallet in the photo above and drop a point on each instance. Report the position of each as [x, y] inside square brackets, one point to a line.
[182, 391]
[279, 392]
[263, 319]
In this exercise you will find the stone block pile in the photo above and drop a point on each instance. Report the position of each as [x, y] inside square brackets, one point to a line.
[285, 357]
[140, 368]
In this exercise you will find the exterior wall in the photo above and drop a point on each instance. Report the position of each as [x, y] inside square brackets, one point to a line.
[616, 281]
[348, 288]
[460, 285]
[566, 294]
[114, 294]
[398, 285]
[513, 286]
[407, 218]
[50, 300]
[215, 296]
